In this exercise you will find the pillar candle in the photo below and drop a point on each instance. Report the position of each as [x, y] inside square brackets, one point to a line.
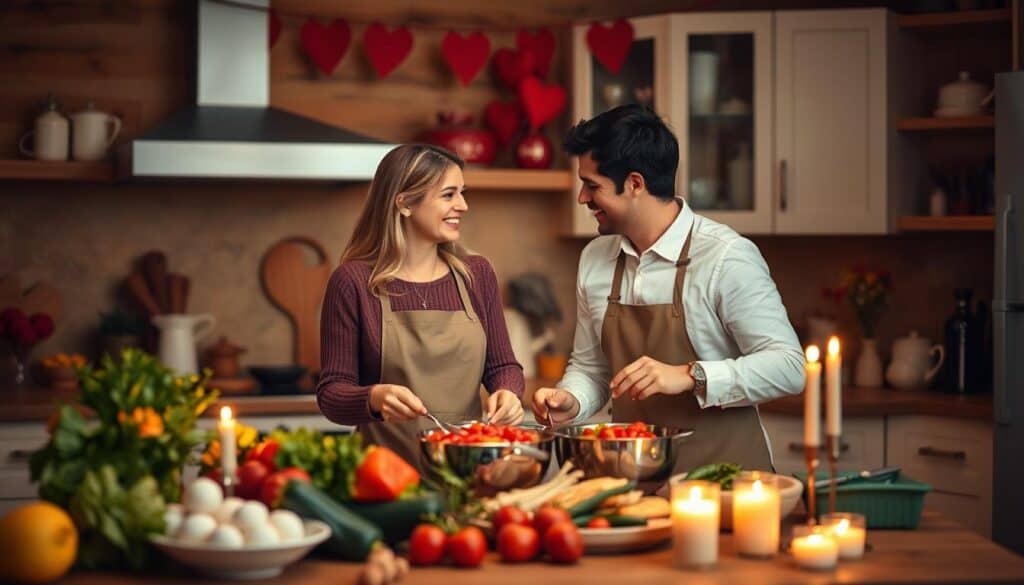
[226, 431]
[814, 548]
[849, 533]
[833, 388]
[812, 398]
[756, 514]
[695, 523]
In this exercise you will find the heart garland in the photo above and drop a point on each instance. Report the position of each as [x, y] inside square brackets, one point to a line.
[541, 102]
[386, 49]
[610, 45]
[505, 118]
[512, 65]
[274, 27]
[466, 56]
[541, 44]
[325, 45]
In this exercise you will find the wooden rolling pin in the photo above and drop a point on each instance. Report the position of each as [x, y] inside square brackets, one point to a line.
[137, 286]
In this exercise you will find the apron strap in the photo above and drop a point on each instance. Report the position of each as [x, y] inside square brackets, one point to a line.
[620, 264]
[386, 313]
[681, 264]
[467, 304]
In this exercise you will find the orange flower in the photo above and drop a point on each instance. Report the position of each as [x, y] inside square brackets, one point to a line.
[145, 419]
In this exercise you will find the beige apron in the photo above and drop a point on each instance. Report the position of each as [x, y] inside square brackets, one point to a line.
[439, 355]
[630, 332]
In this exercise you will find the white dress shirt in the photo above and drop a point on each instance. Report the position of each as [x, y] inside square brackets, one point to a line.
[734, 314]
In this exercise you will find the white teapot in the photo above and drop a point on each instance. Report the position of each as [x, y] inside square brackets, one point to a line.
[912, 362]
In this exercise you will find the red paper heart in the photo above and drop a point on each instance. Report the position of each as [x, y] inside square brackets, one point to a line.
[610, 45]
[466, 56]
[504, 118]
[542, 103]
[541, 45]
[324, 45]
[386, 49]
[274, 27]
[513, 65]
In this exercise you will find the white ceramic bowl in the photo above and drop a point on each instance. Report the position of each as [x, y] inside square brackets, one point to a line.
[790, 490]
[249, 562]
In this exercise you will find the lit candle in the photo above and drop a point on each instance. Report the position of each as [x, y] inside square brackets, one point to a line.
[756, 514]
[814, 548]
[848, 532]
[833, 388]
[228, 459]
[812, 398]
[695, 522]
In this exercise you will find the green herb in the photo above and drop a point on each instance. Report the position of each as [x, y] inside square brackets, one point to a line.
[722, 473]
[330, 460]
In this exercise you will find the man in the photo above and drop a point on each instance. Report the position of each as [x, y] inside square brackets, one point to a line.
[678, 320]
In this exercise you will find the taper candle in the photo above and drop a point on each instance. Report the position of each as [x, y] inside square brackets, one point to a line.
[833, 388]
[812, 398]
[228, 457]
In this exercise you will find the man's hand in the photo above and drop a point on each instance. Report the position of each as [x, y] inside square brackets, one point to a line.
[396, 402]
[647, 376]
[562, 405]
[504, 408]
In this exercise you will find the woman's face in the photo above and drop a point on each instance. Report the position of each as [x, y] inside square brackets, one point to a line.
[436, 218]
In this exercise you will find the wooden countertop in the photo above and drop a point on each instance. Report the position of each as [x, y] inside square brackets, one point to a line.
[939, 551]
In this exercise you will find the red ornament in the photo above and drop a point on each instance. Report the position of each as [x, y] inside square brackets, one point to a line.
[513, 65]
[274, 27]
[386, 49]
[456, 133]
[542, 103]
[534, 151]
[466, 56]
[325, 45]
[541, 45]
[505, 118]
[610, 45]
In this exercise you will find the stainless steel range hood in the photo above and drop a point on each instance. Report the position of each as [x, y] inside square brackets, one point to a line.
[232, 132]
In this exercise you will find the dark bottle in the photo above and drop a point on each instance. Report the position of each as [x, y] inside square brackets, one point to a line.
[960, 335]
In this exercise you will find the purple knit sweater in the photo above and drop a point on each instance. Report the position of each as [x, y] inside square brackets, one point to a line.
[350, 334]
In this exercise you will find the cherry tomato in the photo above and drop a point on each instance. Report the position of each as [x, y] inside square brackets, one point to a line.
[467, 547]
[606, 433]
[599, 522]
[272, 489]
[509, 515]
[518, 543]
[563, 543]
[548, 516]
[426, 545]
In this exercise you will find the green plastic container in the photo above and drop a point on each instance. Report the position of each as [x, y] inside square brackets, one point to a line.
[894, 503]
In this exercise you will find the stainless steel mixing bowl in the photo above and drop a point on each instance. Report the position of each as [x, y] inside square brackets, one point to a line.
[638, 459]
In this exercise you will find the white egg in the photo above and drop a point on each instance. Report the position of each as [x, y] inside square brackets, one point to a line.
[226, 511]
[173, 515]
[288, 525]
[250, 515]
[197, 527]
[203, 495]
[262, 534]
[227, 536]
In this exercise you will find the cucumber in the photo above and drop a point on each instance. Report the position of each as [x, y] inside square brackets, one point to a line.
[352, 538]
[616, 520]
[590, 504]
[397, 519]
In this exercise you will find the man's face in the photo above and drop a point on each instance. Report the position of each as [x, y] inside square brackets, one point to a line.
[611, 210]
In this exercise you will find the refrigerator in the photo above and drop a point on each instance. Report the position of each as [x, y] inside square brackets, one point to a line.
[1008, 315]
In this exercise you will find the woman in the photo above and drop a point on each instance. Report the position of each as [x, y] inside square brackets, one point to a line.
[411, 323]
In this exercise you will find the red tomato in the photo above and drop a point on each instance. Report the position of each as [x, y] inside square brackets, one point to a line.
[606, 433]
[599, 522]
[509, 515]
[467, 547]
[588, 432]
[563, 543]
[547, 517]
[251, 476]
[426, 545]
[518, 543]
[272, 489]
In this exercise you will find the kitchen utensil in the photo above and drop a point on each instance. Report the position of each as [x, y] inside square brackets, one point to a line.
[154, 268]
[51, 132]
[913, 364]
[639, 459]
[297, 288]
[140, 290]
[627, 538]
[879, 474]
[92, 133]
[178, 337]
[279, 379]
[178, 285]
[437, 422]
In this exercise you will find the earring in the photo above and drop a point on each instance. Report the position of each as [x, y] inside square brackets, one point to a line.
[406, 212]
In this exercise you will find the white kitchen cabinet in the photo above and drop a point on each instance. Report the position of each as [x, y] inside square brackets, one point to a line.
[862, 445]
[953, 456]
[17, 442]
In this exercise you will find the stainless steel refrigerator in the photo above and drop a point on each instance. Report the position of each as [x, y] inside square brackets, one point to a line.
[1008, 315]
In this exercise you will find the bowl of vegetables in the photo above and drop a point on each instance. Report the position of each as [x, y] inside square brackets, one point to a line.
[790, 489]
[637, 450]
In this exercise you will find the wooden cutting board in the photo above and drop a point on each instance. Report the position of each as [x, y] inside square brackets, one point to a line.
[42, 297]
[297, 287]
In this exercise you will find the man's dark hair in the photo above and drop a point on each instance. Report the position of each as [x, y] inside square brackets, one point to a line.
[627, 139]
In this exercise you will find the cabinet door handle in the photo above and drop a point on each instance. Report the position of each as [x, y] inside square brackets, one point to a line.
[942, 453]
[783, 199]
[799, 447]
[19, 455]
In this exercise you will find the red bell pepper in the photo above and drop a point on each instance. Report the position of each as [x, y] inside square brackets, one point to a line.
[383, 476]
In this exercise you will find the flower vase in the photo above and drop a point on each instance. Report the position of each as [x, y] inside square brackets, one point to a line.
[14, 373]
[868, 371]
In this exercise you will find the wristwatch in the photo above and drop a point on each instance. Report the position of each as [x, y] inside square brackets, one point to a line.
[700, 379]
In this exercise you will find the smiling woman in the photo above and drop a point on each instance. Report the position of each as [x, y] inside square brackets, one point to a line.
[410, 320]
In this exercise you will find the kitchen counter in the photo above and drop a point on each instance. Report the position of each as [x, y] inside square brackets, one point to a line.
[939, 551]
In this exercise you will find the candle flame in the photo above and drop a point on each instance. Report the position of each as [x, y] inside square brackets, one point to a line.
[833, 346]
[813, 353]
[695, 493]
[225, 413]
[815, 539]
[757, 487]
[843, 525]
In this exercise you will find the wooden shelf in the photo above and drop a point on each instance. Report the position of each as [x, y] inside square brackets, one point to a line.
[950, 21]
[517, 180]
[939, 124]
[949, 223]
[56, 171]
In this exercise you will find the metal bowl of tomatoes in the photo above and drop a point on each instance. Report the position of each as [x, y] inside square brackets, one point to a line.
[638, 451]
[497, 457]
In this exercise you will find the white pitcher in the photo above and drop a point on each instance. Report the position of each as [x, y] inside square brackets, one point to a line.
[915, 361]
[92, 133]
[178, 337]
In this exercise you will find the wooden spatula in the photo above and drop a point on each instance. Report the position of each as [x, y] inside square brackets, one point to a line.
[297, 288]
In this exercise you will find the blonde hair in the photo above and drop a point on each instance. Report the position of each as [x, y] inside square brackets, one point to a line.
[378, 239]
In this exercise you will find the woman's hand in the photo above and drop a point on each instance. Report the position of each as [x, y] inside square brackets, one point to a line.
[396, 403]
[504, 408]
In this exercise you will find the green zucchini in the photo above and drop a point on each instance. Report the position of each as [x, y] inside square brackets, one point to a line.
[397, 519]
[352, 538]
[590, 504]
[616, 520]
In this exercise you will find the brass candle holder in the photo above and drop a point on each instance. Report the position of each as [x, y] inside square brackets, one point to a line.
[229, 484]
[811, 457]
[832, 449]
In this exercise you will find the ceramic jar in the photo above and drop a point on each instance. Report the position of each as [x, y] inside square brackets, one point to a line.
[456, 133]
[534, 151]
[50, 134]
[963, 97]
[915, 361]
